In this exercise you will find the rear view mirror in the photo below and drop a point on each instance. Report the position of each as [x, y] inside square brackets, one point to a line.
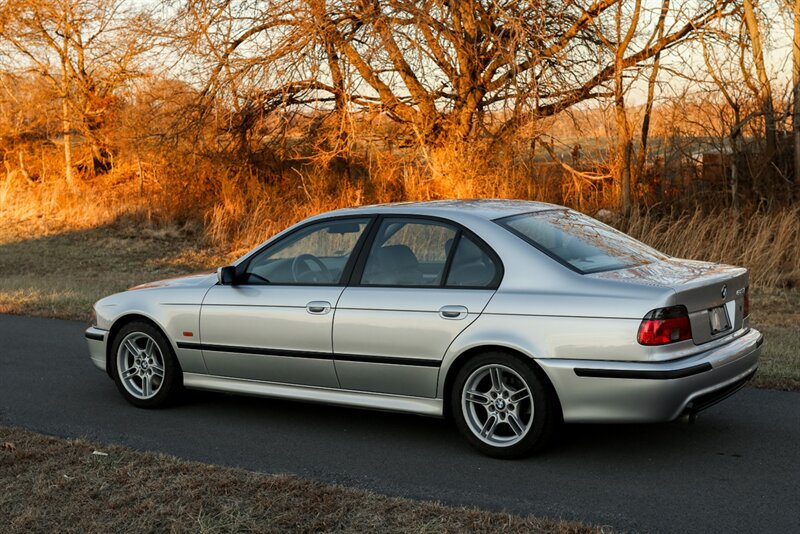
[227, 275]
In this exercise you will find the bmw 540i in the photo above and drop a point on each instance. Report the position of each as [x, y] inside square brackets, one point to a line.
[509, 317]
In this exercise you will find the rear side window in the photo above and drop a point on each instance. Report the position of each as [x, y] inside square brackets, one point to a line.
[472, 266]
[408, 253]
[583, 243]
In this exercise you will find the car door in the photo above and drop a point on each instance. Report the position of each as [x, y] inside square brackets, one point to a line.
[275, 323]
[418, 285]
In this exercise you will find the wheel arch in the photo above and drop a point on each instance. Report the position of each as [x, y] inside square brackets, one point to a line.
[459, 361]
[126, 319]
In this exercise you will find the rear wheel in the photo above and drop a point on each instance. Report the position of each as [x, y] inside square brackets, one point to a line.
[145, 369]
[504, 406]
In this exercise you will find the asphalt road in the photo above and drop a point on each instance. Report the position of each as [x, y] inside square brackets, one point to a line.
[736, 470]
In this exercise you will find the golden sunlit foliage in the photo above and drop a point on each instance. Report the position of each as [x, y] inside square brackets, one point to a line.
[245, 117]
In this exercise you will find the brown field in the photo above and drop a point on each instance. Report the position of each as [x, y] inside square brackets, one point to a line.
[49, 484]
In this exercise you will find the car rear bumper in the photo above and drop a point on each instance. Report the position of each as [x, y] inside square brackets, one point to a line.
[633, 392]
[97, 339]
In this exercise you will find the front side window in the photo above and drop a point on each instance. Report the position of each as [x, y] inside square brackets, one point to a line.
[314, 255]
[408, 252]
[583, 243]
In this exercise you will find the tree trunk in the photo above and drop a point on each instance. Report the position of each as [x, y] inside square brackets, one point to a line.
[735, 134]
[625, 149]
[765, 89]
[65, 123]
[651, 85]
[624, 143]
[648, 111]
[796, 80]
[624, 130]
[66, 128]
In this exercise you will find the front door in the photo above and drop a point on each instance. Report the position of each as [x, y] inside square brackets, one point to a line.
[422, 283]
[275, 323]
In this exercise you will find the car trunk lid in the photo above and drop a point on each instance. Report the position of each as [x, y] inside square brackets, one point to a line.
[712, 293]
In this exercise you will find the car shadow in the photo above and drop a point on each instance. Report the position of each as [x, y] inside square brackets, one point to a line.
[584, 440]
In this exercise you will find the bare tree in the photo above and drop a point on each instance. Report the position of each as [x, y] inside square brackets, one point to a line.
[86, 49]
[796, 89]
[624, 127]
[446, 70]
[764, 87]
[732, 94]
[651, 86]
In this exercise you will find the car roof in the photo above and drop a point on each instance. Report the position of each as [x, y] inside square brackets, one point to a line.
[485, 208]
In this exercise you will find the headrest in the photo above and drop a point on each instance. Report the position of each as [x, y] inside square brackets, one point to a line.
[397, 257]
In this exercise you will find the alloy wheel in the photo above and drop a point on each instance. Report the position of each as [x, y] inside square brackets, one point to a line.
[497, 405]
[140, 365]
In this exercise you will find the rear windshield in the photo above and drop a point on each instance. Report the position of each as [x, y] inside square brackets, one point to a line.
[584, 244]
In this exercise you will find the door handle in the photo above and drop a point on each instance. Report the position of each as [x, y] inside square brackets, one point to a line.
[318, 307]
[453, 312]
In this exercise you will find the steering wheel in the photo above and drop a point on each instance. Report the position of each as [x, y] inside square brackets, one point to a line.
[303, 260]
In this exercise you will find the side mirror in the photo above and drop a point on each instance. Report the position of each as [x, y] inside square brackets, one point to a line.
[227, 275]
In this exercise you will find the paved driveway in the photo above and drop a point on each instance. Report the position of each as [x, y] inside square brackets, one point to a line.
[736, 470]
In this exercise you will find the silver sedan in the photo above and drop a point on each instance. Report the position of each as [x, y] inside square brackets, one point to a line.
[509, 317]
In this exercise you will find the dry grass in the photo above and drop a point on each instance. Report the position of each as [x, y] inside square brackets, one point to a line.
[777, 315]
[767, 243]
[234, 210]
[63, 274]
[49, 485]
[59, 253]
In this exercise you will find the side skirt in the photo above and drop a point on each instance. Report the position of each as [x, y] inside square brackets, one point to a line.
[340, 397]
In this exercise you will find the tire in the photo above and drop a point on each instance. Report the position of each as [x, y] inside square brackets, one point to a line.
[145, 369]
[504, 405]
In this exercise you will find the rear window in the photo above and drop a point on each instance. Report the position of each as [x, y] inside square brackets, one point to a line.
[584, 244]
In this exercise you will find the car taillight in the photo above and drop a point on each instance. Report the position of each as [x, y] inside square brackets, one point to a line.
[746, 304]
[665, 325]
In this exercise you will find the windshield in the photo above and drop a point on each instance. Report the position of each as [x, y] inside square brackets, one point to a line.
[583, 243]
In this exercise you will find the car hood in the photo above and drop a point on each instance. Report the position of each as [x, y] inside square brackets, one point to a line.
[204, 279]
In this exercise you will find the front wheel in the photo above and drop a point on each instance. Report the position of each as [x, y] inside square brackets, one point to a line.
[145, 369]
[504, 406]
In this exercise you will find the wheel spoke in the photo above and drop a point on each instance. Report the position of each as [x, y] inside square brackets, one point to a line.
[157, 371]
[147, 387]
[148, 348]
[519, 395]
[129, 373]
[477, 397]
[497, 381]
[515, 424]
[489, 426]
[131, 347]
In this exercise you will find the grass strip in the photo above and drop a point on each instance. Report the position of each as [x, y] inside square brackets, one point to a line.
[50, 484]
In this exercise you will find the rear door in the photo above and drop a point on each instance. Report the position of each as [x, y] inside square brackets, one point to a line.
[276, 323]
[418, 285]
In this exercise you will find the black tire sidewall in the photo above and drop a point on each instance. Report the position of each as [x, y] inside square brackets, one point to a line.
[545, 415]
[172, 372]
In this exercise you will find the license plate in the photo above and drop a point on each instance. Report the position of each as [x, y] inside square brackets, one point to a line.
[718, 317]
